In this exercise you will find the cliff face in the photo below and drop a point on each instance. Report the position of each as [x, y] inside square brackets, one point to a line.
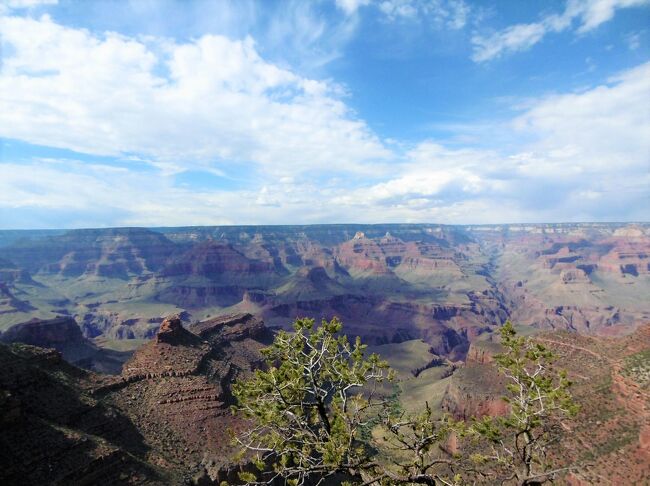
[476, 389]
[584, 278]
[50, 333]
[64, 335]
[176, 390]
[114, 252]
[213, 273]
[164, 420]
[482, 352]
[55, 432]
[388, 283]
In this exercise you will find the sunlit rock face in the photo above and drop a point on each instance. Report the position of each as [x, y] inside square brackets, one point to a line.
[448, 285]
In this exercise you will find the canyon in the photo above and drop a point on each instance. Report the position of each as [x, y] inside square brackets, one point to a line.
[128, 339]
[446, 285]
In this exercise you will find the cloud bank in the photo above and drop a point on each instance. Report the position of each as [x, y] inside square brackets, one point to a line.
[207, 102]
[154, 110]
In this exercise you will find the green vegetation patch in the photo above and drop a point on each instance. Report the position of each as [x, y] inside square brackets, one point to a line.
[637, 367]
[405, 357]
[429, 386]
[119, 344]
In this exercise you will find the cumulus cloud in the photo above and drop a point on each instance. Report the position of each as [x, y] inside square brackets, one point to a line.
[205, 102]
[588, 160]
[213, 103]
[585, 14]
[608, 126]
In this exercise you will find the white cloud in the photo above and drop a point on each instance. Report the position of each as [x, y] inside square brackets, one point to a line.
[398, 8]
[592, 13]
[589, 160]
[69, 193]
[451, 14]
[586, 159]
[588, 14]
[351, 6]
[633, 40]
[203, 102]
[215, 103]
[18, 4]
[515, 38]
[608, 126]
[297, 33]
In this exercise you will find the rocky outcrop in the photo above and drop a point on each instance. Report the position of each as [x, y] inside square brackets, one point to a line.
[64, 335]
[215, 260]
[114, 252]
[176, 388]
[47, 333]
[475, 391]
[214, 273]
[232, 328]
[173, 352]
[483, 352]
[55, 432]
[164, 420]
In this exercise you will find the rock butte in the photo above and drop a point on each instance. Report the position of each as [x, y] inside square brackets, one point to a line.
[164, 418]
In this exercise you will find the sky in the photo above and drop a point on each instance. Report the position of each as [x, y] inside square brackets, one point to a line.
[177, 113]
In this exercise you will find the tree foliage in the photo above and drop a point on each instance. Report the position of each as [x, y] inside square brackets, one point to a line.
[321, 408]
[539, 398]
[311, 403]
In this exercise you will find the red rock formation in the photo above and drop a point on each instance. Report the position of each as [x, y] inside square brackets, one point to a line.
[215, 260]
[176, 389]
[387, 283]
[475, 391]
[232, 328]
[482, 352]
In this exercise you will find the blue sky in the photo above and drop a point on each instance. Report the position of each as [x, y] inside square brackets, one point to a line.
[162, 113]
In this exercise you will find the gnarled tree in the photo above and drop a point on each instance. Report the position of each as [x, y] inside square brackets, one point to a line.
[312, 405]
[318, 409]
[539, 398]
